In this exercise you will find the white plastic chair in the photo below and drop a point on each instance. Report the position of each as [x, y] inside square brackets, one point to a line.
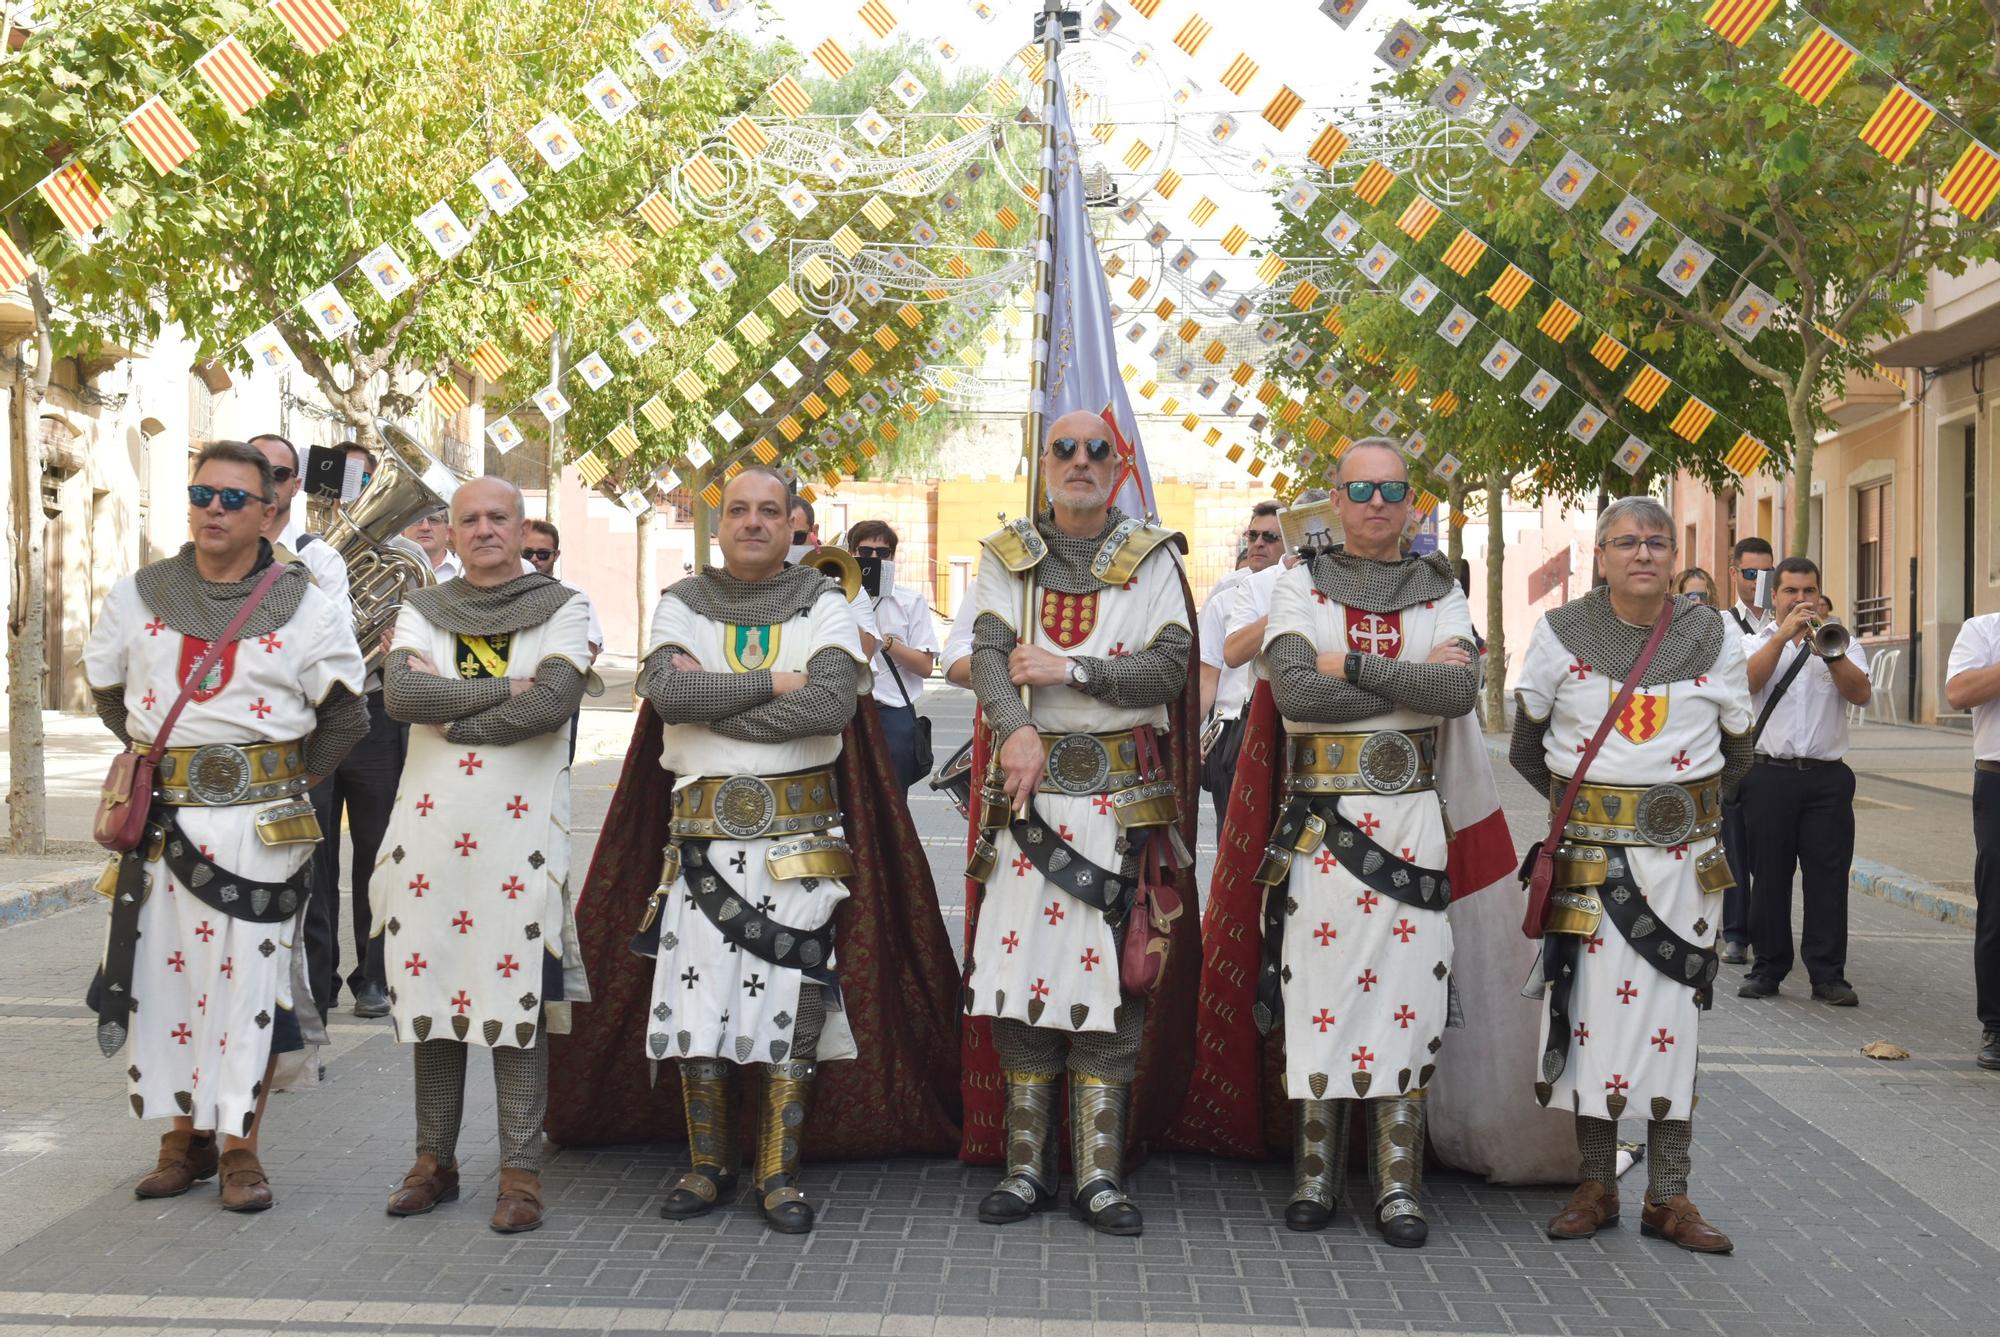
[1882, 678]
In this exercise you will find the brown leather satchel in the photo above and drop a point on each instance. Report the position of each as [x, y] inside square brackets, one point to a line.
[1143, 948]
[127, 797]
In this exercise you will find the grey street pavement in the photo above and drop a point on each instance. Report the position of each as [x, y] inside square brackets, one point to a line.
[1864, 1196]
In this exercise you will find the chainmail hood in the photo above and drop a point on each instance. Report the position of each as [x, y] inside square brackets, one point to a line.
[1597, 636]
[174, 590]
[1066, 569]
[721, 597]
[1381, 587]
[465, 609]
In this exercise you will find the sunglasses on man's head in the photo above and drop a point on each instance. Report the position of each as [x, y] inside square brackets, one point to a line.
[1361, 490]
[201, 496]
[1263, 536]
[1064, 447]
[539, 554]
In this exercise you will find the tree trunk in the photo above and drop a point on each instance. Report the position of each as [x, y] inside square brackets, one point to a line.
[698, 514]
[552, 483]
[645, 585]
[27, 794]
[1803, 445]
[1454, 535]
[1496, 616]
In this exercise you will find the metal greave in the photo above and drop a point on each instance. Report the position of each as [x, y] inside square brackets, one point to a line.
[1399, 1155]
[1319, 1151]
[1098, 1111]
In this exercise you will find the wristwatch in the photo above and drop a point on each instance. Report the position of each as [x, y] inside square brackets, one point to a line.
[1079, 676]
[1352, 669]
[889, 641]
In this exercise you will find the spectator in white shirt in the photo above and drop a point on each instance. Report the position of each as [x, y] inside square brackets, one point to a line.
[540, 553]
[1749, 557]
[1972, 682]
[1225, 687]
[432, 533]
[906, 652]
[1747, 560]
[1798, 800]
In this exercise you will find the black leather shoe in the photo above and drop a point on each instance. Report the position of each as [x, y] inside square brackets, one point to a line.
[1732, 954]
[696, 1193]
[1757, 988]
[1004, 1207]
[1837, 993]
[1989, 1051]
[371, 1001]
[1305, 1214]
[1406, 1230]
[1116, 1217]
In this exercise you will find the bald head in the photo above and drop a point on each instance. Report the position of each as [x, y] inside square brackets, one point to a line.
[488, 525]
[1373, 458]
[486, 492]
[1372, 525]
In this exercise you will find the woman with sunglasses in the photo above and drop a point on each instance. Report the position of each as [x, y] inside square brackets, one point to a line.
[1697, 585]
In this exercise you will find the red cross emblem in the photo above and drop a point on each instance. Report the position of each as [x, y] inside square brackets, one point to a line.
[1361, 1058]
[517, 807]
[1700, 679]
[195, 1080]
[1118, 651]
[1064, 832]
[203, 931]
[1367, 979]
[1324, 861]
[1320, 597]
[1323, 1020]
[1404, 1016]
[416, 964]
[178, 962]
[1089, 960]
[1582, 1033]
[1367, 900]
[424, 805]
[420, 884]
[1661, 1041]
[1404, 930]
[1039, 989]
[1103, 803]
[471, 762]
[228, 967]
[149, 700]
[181, 1033]
[1617, 1085]
[1326, 933]
[1680, 851]
[260, 708]
[1407, 855]
[463, 923]
[513, 886]
[1369, 824]
[201, 1006]
[463, 1003]
[156, 626]
[507, 965]
[1010, 942]
[1054, 913]
[1594, 944]
[1581, 670]
[1626, 993]
[269, 640]
[465, 845]
[1681, 761]
[1021, 865]
[1375, 633]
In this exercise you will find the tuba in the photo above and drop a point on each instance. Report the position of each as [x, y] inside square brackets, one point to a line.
[838, 564]
[367, 533]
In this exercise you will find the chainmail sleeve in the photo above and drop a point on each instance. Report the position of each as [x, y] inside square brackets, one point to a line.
[698, 696]
[1448, 690]
[1152, 677]
[110, 703]
[1738, 751]
[416, 697]
[992, 642]
[1304, 693]
[343, 722]
[823, 706]
[543, 708]
[1525, 752]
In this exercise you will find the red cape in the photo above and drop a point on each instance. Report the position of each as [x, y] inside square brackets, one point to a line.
[1165, 1047]
[897, 977]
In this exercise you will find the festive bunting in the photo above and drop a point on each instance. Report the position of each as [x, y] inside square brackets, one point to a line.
[1445, 404]
[593, 471]
[623, 439]
[1193, 33]
[1736, 20]
[1374, 183]
[656, 412]
[1237, 76]
[159, 135]
[835, 61]
[314, 24]
[1418, 218]
[1972, 181]
[448, 398]
[235, 77]
[538, 327]
[1463, 253]
[747, 136]
[1508, 290]
[703, 175]
[878, 17]
[1559, 321]
[1746, 456]
[73, 194]
[14, 266]
[790, 98]
[1692, 420]
[1283, 107]
[1609, 352]
[489, 361]
[1648, 384]
[1327, 148]
[1897, 123]
[1818, 66]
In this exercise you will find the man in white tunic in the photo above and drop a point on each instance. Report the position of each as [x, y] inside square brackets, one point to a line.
[475, 924]
[1063, 851]
[755, 670]
[1640, 851]
[199, 963]
[1368, 652]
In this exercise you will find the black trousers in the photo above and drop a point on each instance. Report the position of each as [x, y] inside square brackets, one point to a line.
[1986, 886]
[363, 787]
[1804, 824]
[1736, 900]
[899, 726]
[1218, 769]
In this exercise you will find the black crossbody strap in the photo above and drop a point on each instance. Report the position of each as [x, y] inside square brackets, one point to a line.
[1777, 695]
[1058, 862]
[748, 928]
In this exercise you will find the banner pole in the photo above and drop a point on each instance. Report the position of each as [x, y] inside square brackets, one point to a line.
[1049, 29]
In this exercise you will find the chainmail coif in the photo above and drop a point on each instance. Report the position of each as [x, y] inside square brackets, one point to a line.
[1381, 587]
[464, 609]
[721, 597]
[178, 596]
[1597, 636]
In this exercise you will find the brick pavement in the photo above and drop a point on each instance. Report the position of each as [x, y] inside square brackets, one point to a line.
[1861, 1197]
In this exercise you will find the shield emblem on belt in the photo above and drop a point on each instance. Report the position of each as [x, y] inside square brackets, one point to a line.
[749, 648]
[1068, 619]
[1643, 717]
[1374, 633]
[192, 653]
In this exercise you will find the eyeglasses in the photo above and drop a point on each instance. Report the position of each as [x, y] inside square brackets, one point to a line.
[1262, 536]
[366, 479]
[872, 551]
[1699, 596]
[201, 496]
[1064, 447]
[283, 474]
[799, 536]
[1659, 545]
[539, 554]
[1361, 490]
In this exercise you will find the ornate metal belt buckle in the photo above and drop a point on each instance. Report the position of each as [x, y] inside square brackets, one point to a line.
[1388, 761]
[745, 807]
[1665, 815]
[1079, 764]
[219, 774]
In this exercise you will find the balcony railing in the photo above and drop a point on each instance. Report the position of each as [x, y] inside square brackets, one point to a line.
[1872, 616]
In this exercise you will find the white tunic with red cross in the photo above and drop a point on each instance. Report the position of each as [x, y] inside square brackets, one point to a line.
[1633, 1030]
[472, 883]
[1369, 982]
[206, 988]
[1040, 955]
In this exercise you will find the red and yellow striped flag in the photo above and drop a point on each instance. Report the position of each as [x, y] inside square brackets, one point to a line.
[1304, 295]
[623, 253]
[1374, 183]
[656, 412]
[1746, 456]
[1201, 211]
[860, 360]
[833, 58]
[790, 98]
[1270, 267]
[886, 336]
[1234, 240]
[763, 451]
[1147, 8]
[1328, 147]
[1283, 107]
[878, 17]
[703, 175]
[909, 315]
[1169, 182]
[488, 360]
[1425, 503]
[1692, 420]
[1559, 321]
[158, 134]
[1463, 253]
[1193, 33]
[1334, 323]
[688, 381]
[13, 265]
[1648, 384]
[73, 194]
[538, 327]
[1818, 66]
[659, 213]
[1001, 90]
[1735, 20]
[314, 24]
[838, 383]
[234, 76]
[623, 439]
[747, 136]
[1972, 183]
[1609, 351]
[1508, 290]
[1418, 218]
[1445, 404]
[1237, 75]
[1137, 155]
[1405, 379]
[1897, 123]
[711, 495]
[448, 398]
[592, 471]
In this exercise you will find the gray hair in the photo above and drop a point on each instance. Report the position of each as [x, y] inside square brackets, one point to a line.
[245, 454]
[1375, 443]
[1641, 511]
[513, 490]
[1311, 495]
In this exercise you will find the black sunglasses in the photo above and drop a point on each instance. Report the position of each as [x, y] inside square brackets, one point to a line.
[872, 551]
[1064, 447]
[1263, 536]
[201, 496]
[1361, 490]
[283, 474]
[539, 554]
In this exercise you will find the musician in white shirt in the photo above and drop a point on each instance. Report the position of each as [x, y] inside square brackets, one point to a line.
[906, 651]
[1972, 682]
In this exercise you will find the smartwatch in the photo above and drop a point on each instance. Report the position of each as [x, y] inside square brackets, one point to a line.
[1079, 676]
[1352, 669]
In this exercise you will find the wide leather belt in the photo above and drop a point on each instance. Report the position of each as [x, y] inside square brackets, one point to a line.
[222, 774]
[1667, 814]
[1082, 764]
[745, 807]
[1387, 761]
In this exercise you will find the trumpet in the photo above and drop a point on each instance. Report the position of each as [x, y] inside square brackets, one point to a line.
[1828, 639]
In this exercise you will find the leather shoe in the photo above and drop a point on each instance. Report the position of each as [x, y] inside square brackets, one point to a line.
[1731, 954]
[1003, 1207]
[519, 1206]
[1405, 1230]
[185, 1160]
[1836, 993]
[696, 1193]
[1677, 1222]
[1305, 1214]
[244, 1187]
[1113, 1216]
[1590, 1209]
[1989, 1051]
[424, 1187]
[371, 1000]
[786, 1210]
[1753, 987]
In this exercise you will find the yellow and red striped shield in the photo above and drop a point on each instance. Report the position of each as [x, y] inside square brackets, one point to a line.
[1643, 717]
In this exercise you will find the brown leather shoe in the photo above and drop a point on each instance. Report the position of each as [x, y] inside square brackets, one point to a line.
[1592, 1207]
[244, 1187]
[184, 1162]
[1678, 1222]
[520, 1204]
[424, 1187]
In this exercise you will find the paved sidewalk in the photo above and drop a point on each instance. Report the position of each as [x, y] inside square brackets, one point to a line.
[1864, 1197]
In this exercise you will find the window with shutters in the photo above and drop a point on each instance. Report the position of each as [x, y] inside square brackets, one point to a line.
[1873, 602]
